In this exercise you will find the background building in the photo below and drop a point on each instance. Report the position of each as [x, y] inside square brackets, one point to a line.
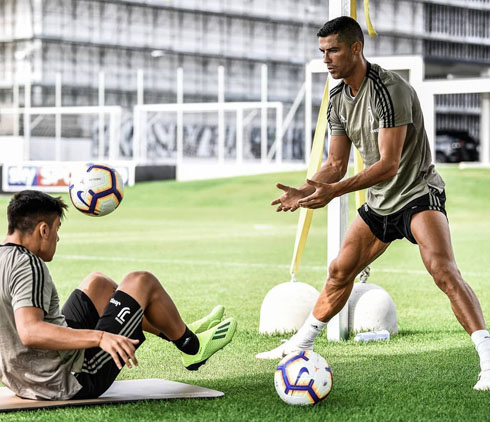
[80, 38]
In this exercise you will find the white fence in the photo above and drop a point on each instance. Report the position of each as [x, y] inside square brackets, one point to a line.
[100, 112]
[241, 121]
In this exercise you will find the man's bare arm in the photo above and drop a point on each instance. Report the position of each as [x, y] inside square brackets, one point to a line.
[336, 164]
[36, 333]
[331, 171]
[390, 142]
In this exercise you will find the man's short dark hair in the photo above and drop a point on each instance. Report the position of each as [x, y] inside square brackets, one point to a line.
[347, 29]
[29, 207]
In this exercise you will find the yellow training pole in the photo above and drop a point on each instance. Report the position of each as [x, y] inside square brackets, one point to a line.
[371, 31]
[358, 167]
[353, 9]
[316, 156]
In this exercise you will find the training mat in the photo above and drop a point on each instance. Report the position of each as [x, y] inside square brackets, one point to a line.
[120, 392]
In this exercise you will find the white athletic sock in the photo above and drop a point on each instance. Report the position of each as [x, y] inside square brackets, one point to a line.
[481, 339]
[306, 335]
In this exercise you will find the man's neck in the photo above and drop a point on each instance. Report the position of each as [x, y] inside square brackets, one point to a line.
[18, 239]
[354, 81]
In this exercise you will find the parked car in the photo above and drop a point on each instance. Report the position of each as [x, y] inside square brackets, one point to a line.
[453, 146]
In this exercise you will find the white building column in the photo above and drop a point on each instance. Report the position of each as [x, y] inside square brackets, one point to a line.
[15, 101]
[263, 114]
[308, 112]
[338, 211]
[101, 123]
[221, 115]
[58, 103]
[427, 103]
[180, 116]
[485, 128]
[27, 115]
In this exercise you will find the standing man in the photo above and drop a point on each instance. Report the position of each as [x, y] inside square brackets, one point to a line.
[78, 352]
[379, 112]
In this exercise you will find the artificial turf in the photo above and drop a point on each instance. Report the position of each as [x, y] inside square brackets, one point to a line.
[220, 241]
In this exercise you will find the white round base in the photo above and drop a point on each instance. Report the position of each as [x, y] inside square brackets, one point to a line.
[371, 308]
[286, 307]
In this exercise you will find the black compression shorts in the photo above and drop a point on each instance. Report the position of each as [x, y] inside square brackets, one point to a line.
[388, 228]
[123, 315]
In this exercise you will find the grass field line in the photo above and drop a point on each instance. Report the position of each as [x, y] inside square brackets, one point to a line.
[144, 237]
[259, 229]
[239, 264]
[174, 236]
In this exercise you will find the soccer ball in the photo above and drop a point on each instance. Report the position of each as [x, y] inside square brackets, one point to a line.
[303, 378]
[96, 190]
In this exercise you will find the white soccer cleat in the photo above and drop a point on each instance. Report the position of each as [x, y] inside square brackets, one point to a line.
[483, 383]
[279, 352]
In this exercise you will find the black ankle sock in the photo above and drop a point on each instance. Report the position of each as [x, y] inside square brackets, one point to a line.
[188, 343]
[163, 336]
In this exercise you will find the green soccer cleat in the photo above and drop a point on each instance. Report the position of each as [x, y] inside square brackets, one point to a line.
[209, 321]
[210, 342]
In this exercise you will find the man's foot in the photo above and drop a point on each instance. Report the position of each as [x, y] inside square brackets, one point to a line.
[483, 383]
[209, 321]
[279, 352]
[210, 342]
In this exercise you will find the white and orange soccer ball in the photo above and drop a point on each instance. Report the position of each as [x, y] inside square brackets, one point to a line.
[96, 189]
[303, 378]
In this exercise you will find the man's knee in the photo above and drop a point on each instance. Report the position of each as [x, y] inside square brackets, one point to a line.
[446, 276]
[141, 286]
[144, 279]
[98, 282]
[99, 288]
[337, 275]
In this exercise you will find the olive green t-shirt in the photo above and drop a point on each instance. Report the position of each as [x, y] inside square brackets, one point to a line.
[32, 373]
[386, 100]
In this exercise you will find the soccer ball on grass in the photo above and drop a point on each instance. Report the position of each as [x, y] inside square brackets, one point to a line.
[96, 189]
[303, 378]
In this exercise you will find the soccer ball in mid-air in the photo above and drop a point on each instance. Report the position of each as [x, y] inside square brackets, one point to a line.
[96, 190]
[303, 378]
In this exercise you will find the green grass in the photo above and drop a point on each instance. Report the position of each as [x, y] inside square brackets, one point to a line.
[220, 242]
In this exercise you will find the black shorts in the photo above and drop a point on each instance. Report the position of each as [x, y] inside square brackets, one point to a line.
[123, 315]
[388, 228]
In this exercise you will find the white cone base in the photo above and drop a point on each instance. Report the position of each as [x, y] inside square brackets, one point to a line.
[371, 308]
[286, 307]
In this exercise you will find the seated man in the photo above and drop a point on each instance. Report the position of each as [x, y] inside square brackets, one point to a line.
[78, 352]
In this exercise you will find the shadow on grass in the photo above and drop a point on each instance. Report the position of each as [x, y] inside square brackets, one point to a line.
[429, 332]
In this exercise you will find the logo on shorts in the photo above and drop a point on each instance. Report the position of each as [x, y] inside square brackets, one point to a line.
[122, 314]
[114, 302]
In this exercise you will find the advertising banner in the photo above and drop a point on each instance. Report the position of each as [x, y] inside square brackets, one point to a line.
[51, 176]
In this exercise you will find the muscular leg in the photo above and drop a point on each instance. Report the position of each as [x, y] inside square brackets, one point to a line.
[159, 309]
[431, 231]
[359, 248]
[100, 288]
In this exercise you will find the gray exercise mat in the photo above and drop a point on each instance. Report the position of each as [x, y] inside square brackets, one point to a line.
[120, 392]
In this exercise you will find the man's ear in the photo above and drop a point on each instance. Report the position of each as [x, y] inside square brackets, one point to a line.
[43, 229]
[357, 47]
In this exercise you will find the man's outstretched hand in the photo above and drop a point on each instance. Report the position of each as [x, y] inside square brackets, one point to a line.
[288, 201]
[320, 197]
